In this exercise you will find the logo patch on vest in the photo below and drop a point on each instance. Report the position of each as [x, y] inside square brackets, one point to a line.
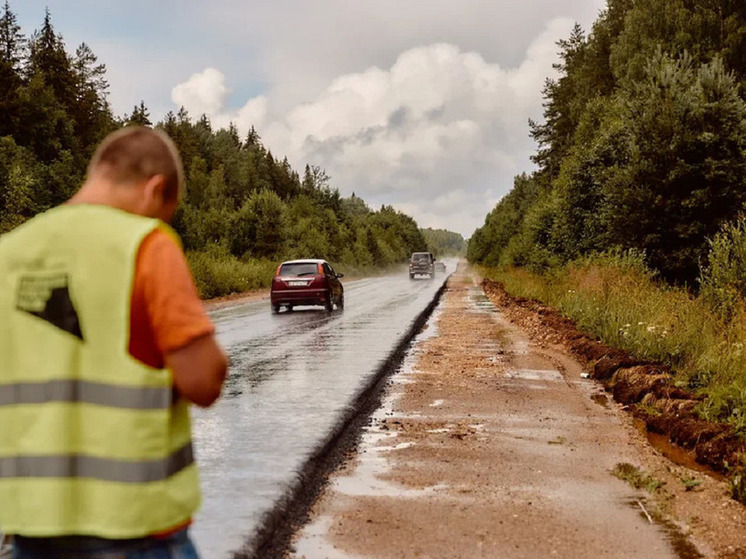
[48, 297]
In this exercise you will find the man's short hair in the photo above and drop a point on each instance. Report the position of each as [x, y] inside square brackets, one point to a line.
[137, 153]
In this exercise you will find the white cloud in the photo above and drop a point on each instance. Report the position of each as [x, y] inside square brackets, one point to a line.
[437, 133]
[204, 92]
[317, 41]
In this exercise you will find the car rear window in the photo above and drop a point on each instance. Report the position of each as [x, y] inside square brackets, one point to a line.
[420, 256]
[300, 269]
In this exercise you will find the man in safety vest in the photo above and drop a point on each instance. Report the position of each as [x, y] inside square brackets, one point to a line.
[103, 344]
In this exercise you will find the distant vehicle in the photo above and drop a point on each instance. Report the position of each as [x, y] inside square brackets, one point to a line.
[306, 282]
[422, 264]
[440, 267]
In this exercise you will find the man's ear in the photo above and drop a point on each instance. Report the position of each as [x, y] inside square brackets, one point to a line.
[155, 189]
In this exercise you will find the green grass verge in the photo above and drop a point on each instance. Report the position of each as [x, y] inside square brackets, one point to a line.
[218, 273]
[637, 478]
[616, 298]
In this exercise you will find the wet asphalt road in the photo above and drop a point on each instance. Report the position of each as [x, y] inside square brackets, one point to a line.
[292, 376]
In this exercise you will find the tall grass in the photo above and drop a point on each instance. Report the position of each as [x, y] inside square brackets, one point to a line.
[616, 298]
[217, 272]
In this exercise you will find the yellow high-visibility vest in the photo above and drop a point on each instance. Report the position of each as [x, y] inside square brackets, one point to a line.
[92, 442]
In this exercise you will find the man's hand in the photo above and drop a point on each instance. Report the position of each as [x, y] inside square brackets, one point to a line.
[199, 370]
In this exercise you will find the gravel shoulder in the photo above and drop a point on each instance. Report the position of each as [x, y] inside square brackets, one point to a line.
[491, 444]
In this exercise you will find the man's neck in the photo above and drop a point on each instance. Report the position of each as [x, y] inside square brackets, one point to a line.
[102, 194]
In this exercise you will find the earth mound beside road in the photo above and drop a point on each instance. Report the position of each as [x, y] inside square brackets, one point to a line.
[647, 387]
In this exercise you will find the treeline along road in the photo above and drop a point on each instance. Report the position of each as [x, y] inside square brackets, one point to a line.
[245, 208]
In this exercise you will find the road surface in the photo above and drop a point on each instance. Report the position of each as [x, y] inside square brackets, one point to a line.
[292, 376]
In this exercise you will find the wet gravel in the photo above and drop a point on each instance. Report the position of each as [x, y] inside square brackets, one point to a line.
[292, 376]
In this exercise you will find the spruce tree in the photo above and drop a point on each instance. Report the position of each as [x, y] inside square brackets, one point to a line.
[12, 50]
[140, 116]
[12, 41]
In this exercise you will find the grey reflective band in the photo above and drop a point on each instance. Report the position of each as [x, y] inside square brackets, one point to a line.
[138, 398]
[104, 469]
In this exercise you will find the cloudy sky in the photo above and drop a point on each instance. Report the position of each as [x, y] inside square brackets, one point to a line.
[421, 104]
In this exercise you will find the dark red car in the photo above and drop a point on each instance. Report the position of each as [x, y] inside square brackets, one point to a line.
[306, 282]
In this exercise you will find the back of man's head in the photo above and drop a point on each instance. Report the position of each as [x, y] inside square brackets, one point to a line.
[136, 153]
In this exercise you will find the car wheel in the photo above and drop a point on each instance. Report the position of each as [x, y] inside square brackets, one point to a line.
[411, 276]
[341, 302]
[275, 309]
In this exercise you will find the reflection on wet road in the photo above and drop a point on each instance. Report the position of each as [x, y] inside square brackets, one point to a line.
[292, 375]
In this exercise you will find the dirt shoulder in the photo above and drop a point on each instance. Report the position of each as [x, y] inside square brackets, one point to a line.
[235, 299]
[491, 444]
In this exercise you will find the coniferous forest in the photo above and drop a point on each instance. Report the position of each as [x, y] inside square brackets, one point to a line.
[642, 145]
[245, 208]
[633, 223]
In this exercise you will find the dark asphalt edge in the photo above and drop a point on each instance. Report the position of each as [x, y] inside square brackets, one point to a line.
[276, 529]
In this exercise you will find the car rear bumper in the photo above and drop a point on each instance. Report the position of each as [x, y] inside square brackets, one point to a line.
[300, 297]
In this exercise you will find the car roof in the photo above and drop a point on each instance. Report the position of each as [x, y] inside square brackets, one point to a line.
[305, 261]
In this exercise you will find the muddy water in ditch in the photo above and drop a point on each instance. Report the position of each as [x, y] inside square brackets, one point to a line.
[674, 453]
[292, 376]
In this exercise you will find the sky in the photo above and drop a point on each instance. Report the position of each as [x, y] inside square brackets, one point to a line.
[418, 104]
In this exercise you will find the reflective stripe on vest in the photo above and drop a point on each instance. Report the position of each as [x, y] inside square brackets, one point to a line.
[91, 467]
[139, 398]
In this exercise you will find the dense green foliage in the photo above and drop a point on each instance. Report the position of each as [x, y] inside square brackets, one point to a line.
[724, 278]
[616, 297]
[639, 193]
[442, 242]
[642, 146]
[245, 209]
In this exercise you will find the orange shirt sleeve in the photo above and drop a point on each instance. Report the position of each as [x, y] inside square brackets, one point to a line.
[166, 311]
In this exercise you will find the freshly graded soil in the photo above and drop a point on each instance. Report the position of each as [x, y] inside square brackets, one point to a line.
[491, 444]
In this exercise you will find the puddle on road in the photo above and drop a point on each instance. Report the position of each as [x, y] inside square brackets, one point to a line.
[480, 302]
[680, 544]
[376, 442]
[601, 399]
[314, 543]
[366, 478]
[534, 374]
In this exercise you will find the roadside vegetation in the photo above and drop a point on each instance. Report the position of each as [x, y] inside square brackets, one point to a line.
[617, 298]
[245, 209]
[632, 224]
[637, 478]
[444, 243]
